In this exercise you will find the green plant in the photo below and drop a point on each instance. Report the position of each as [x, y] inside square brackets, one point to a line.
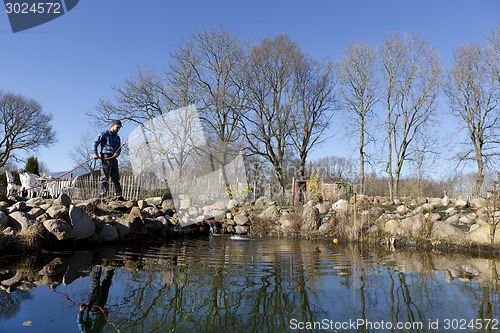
[32, 166]
[238, 194]
[315, 186]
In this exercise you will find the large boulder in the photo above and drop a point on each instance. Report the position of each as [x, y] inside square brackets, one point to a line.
[61, 229]
[241, 220]
[445, 230]
[479, 202]
[35, 202]
[4, 220]
[34, 212]
[261, 202]
[453, 219]
[412, 225]
[482, 235]
[271, 213]
[63, 200]
[123, 227]
[136, 222]
[83, 226]
[19, 221]
[152, 211]
[311, 219]
[462, 203]
[241, 230]
[341, 206]
[108, 233]
[57, 211]
[376, 212]
[402, 209]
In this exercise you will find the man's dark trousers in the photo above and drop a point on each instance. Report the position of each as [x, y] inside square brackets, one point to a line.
[109, 168]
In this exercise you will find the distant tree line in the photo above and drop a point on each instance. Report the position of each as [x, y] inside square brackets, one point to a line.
[274, 102]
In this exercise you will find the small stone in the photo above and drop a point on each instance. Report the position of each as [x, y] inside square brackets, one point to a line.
[61, 229]
[241, 220]
[241, 230]
[63, 200]
[57, 211]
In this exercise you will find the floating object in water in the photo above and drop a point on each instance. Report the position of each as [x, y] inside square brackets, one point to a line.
[335, 241]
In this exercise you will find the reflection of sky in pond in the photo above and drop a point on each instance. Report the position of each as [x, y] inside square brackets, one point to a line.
[218, 284]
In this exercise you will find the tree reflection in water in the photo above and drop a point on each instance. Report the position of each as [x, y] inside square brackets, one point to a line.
[218, 284]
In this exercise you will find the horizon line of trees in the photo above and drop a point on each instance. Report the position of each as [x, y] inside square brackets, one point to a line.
[274, 102]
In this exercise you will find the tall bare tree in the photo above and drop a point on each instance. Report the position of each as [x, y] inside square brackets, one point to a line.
[23, 126]
[357, 72]
[412, 79]
[271, 99]
[315, 106]
[473, 90]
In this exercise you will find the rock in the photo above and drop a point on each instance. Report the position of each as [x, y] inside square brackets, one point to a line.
[155, 201]
[136, 221]
[241, 220]
[83, 226]
[473, 227]
[241, 230]
[464, 220]
[19, 221]
[168, 204]
[321, 208]
[326, 229]
[193, 211]
[261, 202]
[142, 204]
[433, 217]
[412, 225]
[393, 230]
[341, 206]
[117, 205]
[479, 202]
[34, 212]
[482, 235]
[311, 219]
[287, 226]
[122, 227]
[163, 220]
[108, 233]
[480, 222]
[43, 217]
[271, 213]
[445, 201]
[63, 200]
[19, 206]
[216, 213]
[4, 205]
[4, 220]
[57, 211]
[453, 219]
[61, 229]
[152, 211]
[87, 206]
[451, 211]
[45, 206]
[231, 204]
[428, 207]
[35, 202]
[218, 206]
[462, 203]
[402, 209]
[445, 230]
[376, 212]
[392, 223]
[397, 202]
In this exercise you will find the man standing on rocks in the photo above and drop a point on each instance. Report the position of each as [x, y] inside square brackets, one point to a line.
[110, 149]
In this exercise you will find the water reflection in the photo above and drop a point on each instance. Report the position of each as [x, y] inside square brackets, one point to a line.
[217, 283]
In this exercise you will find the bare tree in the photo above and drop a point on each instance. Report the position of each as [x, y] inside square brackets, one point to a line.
[412, 79]
[271, 100]
[357, 72]
[23, 126]
[473, 90]
[494, 48]
[315, 83]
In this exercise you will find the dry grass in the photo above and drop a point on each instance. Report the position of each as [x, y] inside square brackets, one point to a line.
[350, 224]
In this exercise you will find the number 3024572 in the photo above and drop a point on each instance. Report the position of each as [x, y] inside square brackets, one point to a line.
[35, 8]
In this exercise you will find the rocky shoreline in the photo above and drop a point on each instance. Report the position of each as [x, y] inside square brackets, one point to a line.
[37, 224]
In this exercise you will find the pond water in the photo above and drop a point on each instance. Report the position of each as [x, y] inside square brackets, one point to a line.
[222, 284]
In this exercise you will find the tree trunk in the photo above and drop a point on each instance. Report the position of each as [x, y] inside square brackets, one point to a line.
[362, 158]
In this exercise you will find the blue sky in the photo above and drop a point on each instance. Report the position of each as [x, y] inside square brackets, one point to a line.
[69, 63]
